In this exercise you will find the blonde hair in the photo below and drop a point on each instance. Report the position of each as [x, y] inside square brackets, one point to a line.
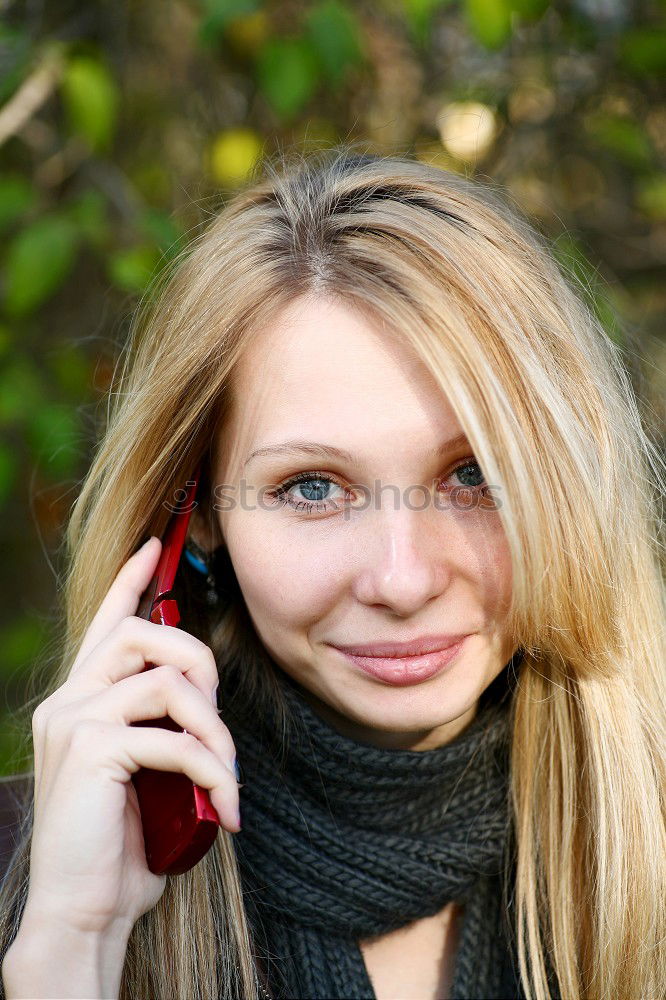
[455, 271]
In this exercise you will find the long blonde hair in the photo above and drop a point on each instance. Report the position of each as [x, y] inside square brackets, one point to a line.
[454, 269]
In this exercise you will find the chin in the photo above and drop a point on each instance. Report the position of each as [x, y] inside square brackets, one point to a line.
[418, 715]
[405, 710]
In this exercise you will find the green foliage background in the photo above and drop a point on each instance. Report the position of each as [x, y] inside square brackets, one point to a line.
[122, 125]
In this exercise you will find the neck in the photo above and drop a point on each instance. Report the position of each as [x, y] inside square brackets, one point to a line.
[386, 739]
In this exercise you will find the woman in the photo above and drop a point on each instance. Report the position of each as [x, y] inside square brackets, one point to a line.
[415, 438]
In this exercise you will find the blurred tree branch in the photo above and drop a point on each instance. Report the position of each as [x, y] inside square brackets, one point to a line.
[33, 93]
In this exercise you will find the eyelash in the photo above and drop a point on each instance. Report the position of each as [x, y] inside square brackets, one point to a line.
[281, 493]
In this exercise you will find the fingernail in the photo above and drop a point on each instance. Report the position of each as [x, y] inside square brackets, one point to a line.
[238, 819]
[147, 542]
[238, 772]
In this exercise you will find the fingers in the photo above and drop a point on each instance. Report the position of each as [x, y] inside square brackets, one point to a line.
[119, 751]
[122, 598]
[135, 642]
[98, 734]
[165, 691]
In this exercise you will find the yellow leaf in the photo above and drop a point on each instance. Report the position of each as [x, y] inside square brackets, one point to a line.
[233, 155]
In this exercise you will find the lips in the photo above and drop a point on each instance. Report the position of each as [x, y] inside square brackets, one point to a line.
[413, 647]
[401, 671]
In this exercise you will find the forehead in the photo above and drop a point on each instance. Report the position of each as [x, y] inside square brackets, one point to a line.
[325, 370]
[342, 351]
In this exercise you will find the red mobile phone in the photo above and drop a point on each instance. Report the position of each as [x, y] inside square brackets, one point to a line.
[179, 821]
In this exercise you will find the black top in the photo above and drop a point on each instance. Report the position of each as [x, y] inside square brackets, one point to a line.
[13, 791]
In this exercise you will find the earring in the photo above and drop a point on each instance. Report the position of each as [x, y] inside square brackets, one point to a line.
[198, 558]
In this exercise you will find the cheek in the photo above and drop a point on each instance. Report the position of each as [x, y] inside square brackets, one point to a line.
[486, 561]
[286, 578]
[495, 557]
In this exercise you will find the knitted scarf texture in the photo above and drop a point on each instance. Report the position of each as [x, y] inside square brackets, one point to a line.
[342, 841]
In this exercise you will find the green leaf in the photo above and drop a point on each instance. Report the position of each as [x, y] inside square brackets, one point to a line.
[643, 51]
[16, 197]
[72, 371]
[153, 181]
[132, 269]
[218, 14]
[6, 340]
[15, 756]
[419, 15]
[607, 314]
[55, 437]
[8, 471]
[624, 137]
[91, 99]
[288, 74]
[489, 21]
[529, 10]
[38, 260]
[229, 8]
[572, 257]
[334, 33]
[166, 233]
[21, 641]
[21, 391]
[89, 213]
[651, 197]
[15, 52]
[575, 263]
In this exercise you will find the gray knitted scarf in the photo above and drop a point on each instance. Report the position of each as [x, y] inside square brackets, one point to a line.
[342, 840]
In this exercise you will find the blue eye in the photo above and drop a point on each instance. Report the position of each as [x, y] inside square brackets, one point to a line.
[316, 488]
[313, 484]
[463, 472]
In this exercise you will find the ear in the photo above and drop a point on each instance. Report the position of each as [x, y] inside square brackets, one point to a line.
[204, 526]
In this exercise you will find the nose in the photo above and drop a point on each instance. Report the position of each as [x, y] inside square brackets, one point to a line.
[406, 560]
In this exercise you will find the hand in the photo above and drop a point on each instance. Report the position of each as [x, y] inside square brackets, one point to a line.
[88, 863]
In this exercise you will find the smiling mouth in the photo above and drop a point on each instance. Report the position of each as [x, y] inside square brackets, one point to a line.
[413, 647]
[401, 671]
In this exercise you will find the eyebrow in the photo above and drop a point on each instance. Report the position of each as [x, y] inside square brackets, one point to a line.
[298, 446]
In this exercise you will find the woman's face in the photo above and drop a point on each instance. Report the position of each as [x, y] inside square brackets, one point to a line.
[368, 547]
